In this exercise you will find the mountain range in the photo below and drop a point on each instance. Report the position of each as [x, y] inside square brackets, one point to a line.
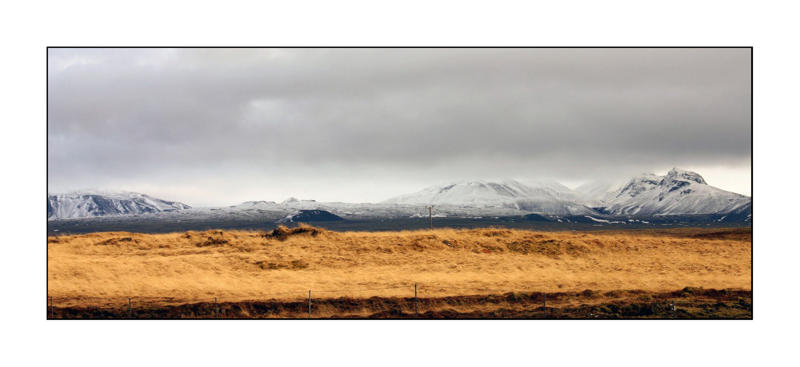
[679, 192]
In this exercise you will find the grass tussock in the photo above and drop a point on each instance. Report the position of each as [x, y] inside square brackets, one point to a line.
[285, 263]
[282, 232]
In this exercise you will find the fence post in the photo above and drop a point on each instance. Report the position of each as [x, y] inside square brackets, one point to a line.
[129, 308]
[416, 301]
[216, 309]
[50, 300]
[545, 304]
[309, 303]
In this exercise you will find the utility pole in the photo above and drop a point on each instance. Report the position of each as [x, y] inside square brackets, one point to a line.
[430, 215]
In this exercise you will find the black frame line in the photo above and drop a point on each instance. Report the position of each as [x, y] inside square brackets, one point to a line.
[47, 162]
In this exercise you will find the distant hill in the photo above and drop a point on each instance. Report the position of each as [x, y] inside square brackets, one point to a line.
[310, 216]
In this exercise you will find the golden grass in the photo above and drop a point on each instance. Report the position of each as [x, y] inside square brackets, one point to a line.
[101, 268]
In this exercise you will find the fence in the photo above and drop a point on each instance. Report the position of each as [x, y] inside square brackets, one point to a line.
[287, 302]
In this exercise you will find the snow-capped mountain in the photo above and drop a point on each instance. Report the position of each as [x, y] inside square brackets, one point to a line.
[678, 192]
[541, 197]
[94, 204]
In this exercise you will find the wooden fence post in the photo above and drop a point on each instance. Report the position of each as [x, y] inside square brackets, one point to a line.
[129, 308]
[416, 300]
[50, 300]
[545, 305]
[309, 303]
[216, 308]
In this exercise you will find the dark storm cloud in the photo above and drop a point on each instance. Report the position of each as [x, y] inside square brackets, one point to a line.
[178, 117]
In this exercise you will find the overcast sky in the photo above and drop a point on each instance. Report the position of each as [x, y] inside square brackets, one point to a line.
[222, 126]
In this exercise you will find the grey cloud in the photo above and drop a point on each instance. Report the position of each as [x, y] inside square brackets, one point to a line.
[138, 115]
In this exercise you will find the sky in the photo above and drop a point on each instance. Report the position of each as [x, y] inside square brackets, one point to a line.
[221, 126]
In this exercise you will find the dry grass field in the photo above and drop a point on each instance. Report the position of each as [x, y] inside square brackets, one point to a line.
[161, 270]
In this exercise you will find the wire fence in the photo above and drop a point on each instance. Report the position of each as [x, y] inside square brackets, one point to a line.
[288, 302]
[409, 300]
